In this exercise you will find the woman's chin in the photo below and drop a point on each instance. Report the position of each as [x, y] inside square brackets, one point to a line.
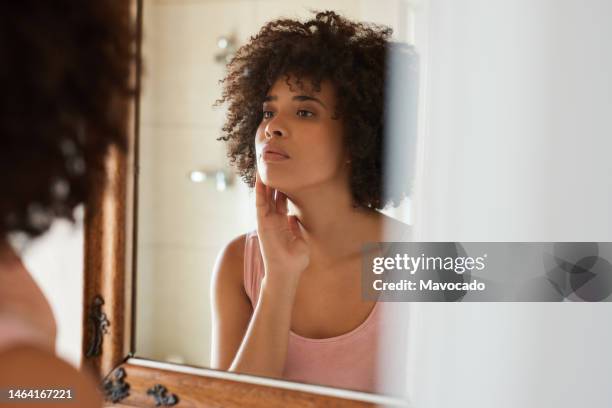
[276, 181]
[275, 184]
[280, 183]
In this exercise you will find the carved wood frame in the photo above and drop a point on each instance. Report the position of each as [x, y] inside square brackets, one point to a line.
[108, 302]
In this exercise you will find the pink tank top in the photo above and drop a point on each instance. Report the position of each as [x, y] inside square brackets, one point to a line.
[345, 361]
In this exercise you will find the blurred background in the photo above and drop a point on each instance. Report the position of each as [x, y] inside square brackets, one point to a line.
[513, 145]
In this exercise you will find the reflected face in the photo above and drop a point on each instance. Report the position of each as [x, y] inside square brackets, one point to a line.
[299, 143]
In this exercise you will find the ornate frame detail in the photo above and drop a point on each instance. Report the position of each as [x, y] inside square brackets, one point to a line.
[117, 389]
[160, 393]
[98, 325]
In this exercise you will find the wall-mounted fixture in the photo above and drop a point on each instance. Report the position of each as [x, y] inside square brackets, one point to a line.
[221, 178]
[227, 46]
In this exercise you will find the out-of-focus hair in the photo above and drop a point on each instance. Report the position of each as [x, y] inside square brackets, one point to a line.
[64, 76]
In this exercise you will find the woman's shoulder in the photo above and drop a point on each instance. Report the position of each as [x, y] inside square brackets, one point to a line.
[227, 276]
[237, 245]
[32, 367]
[235, 271]
[233, 251]
[230, 260]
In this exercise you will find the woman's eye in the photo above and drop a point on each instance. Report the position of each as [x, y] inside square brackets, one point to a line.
[268, 114]
[305, 113]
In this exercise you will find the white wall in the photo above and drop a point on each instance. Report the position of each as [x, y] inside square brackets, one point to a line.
[515, 147]
[517, 120]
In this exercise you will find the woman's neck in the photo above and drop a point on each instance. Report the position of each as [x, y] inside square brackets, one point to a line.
[6, 251]
[333, 227]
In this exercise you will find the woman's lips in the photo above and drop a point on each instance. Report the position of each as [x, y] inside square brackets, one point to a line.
[273, 156]
[273, 153]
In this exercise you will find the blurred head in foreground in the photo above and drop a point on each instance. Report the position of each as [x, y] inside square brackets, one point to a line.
[64, 75]
[64, 78]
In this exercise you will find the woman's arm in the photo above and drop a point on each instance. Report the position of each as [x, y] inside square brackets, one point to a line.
[247, 341]
[264, 348]
[231, 308]
[259, 347]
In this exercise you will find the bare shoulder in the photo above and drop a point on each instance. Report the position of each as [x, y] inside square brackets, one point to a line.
[230, 261]
[233, 251]
[33, 368]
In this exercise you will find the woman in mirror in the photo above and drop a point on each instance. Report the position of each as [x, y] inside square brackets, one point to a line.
[305, 128]
[65, 70]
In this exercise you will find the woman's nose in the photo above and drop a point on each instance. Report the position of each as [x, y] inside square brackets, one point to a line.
[275, 128]
[269, 133]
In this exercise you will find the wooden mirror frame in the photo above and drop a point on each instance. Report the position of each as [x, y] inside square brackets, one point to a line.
[109, 299]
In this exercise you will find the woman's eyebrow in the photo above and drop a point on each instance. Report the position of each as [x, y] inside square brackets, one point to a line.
[300, 98]
[309, 98]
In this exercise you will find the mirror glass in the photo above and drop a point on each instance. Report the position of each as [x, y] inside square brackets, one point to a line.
[190, 202]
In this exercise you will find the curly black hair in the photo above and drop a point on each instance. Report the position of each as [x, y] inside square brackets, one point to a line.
[352, 55]
[65, 75]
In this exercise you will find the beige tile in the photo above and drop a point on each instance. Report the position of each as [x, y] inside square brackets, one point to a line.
[180, 47]
[173, 209]
[173, 302]
[271, 9]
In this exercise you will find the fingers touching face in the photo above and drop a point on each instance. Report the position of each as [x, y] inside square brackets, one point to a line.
[281, 202]
[268, 199]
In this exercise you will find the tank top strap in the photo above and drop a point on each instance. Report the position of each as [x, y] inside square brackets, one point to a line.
[253, 267]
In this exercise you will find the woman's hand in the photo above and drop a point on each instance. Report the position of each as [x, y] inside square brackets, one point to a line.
[285, 253]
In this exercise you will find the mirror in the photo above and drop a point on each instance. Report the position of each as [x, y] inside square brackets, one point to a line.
[190, 203]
